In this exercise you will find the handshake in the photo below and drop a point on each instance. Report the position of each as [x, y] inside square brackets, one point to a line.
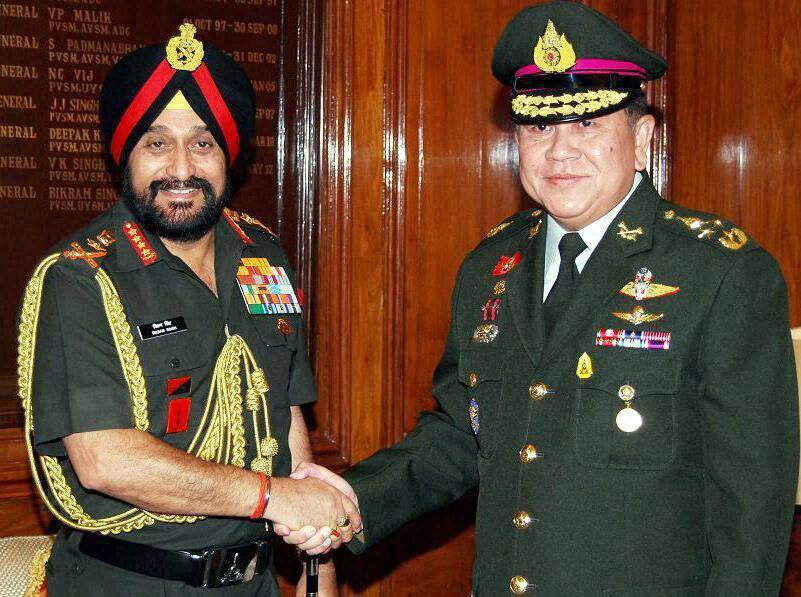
[314, 509]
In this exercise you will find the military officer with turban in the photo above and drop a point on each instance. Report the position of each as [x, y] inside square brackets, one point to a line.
[618, 378]
[162, 360]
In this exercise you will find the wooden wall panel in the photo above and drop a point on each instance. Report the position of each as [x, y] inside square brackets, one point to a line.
[647, 21]
[734, 88]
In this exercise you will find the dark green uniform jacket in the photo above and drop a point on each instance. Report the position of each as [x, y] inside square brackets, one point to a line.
[698, 501]
[179, 328]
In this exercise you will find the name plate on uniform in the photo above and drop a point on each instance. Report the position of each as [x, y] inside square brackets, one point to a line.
[266, 289]
[163, 327]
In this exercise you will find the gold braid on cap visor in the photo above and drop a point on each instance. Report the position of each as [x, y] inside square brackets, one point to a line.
[220, 436]
[567, 104]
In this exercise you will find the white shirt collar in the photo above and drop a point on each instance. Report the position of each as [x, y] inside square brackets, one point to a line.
[591, 234]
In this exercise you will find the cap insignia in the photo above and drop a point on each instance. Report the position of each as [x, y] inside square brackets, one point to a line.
[553, 53]
[184, 52]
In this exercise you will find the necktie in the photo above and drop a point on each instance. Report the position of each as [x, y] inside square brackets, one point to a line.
[570, 247]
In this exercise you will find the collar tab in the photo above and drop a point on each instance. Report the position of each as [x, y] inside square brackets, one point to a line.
[139, 243]
[232, 217]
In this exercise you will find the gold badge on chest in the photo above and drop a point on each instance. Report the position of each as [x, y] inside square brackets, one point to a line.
[643, 287]
[638, 316]
[584, 367]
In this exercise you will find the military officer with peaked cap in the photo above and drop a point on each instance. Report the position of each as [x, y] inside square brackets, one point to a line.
[618, 378]
[162, 359]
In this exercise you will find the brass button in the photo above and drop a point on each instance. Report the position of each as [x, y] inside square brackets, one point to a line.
[522, 520]
[626, 393]
[528, 453]
[518, 585]
[538, 390]
[284, 326]
[472, 380]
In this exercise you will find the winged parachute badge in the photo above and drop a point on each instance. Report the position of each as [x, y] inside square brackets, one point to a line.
[553, 53]
[638, 316]
[643, 287]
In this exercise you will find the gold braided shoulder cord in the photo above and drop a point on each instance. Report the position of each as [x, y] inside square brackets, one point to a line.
[37, 571]
[220, 436]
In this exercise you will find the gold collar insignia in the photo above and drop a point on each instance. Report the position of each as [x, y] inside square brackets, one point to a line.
[624, 231]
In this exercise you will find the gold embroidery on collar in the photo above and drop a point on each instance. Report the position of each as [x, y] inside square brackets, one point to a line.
[627, 234]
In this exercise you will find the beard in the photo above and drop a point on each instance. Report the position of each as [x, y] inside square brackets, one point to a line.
[176, 223]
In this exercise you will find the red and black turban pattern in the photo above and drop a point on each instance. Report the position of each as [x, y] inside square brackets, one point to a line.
[139, 87]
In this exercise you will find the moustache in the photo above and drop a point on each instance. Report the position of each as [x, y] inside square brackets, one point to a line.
[175, 184]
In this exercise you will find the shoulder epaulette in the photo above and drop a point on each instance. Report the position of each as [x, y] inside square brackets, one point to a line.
[526, 219]
[705, 227]
[244, 219]
[92, 251]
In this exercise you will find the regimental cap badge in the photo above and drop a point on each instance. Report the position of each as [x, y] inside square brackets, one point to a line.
[553, 53]
[184, 52]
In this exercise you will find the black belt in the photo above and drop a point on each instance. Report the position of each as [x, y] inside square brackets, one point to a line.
[211, 567]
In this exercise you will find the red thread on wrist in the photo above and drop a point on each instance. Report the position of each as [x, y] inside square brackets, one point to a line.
[259, 510]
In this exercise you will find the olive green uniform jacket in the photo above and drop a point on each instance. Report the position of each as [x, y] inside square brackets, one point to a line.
[698, 501]
[179, 328]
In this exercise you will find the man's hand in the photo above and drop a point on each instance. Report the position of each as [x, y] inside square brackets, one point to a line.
[308, 469]
[296, 504]
[315, 540]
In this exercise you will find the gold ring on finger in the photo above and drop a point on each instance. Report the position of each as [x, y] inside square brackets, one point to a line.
[343, 521]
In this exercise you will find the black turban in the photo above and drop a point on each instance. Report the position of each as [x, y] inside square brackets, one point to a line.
[139, 87]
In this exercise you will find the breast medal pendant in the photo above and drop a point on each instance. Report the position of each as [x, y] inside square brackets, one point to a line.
[628, 420]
